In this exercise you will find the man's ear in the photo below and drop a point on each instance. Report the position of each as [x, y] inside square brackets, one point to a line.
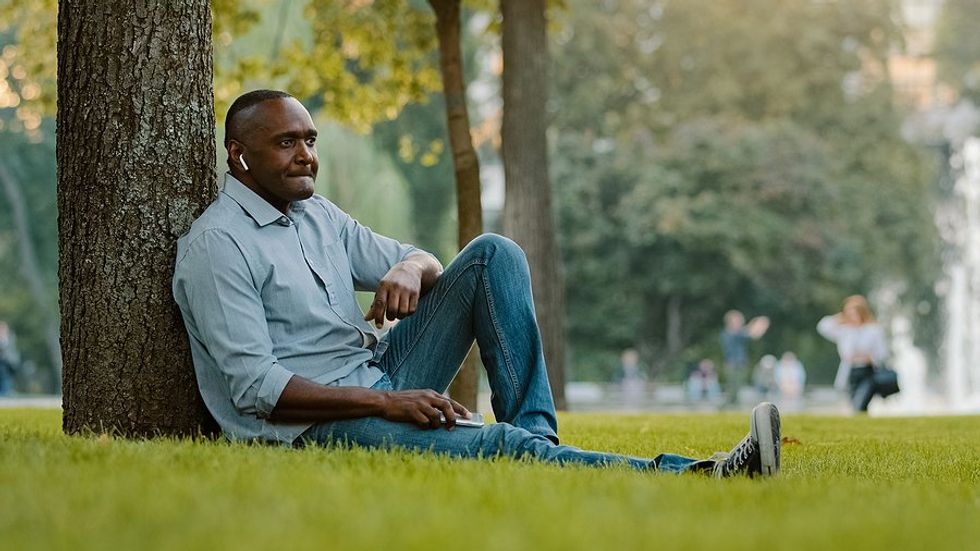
[235, 151]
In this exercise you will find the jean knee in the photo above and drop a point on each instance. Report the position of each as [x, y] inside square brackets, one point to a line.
[492, 246]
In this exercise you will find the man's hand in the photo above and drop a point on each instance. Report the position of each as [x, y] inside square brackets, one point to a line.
[758, 326]
[422, 407]
[398, 293]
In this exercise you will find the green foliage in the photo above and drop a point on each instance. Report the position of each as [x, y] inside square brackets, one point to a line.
[355, 77]
[958, 47]
[28, 158]
[326, 51]
[28, 63]
[416, 144]
[873, 483]
[722, 155]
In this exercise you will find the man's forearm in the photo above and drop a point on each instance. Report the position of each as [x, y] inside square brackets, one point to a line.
[304, 400]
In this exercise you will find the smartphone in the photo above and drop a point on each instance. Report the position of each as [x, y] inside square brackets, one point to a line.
[475, 421]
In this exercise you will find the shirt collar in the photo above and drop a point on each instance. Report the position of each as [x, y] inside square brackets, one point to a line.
[258, 208]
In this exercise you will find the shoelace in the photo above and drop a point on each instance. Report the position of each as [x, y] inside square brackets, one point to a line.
[740, 455]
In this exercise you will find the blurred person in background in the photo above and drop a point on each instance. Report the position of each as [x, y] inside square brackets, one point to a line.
[8, 359]
[632, 379]
[790, 380]
[735, 338]
[702, 382]
[764, 376]
[861, 345]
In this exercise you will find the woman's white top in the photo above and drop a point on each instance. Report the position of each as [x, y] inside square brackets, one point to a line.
[866, 339]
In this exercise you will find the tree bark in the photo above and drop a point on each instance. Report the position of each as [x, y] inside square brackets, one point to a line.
[136, 162]
[528, 216]
[464, 388]
[31, 270]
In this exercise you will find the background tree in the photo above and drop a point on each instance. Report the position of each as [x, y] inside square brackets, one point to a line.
[465, 162]
[528, 215]
[136, 161]
[958, 47]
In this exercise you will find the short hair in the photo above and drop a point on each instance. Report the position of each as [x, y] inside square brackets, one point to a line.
[732, 315]
[244, 101]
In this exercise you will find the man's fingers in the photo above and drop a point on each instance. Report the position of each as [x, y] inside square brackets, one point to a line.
[371, 314]
[413, 304]
[372, 311]
[421, 419]
[459, 409]
[394, 299]
[446, 406]
[405, 304]
[377, 311]
[434, 420]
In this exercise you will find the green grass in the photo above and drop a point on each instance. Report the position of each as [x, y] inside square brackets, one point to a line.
[850, 483]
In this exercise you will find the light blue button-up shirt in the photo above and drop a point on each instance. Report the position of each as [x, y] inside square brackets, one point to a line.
[266, 295]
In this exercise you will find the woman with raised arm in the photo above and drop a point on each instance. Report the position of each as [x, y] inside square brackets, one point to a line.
[861, 345]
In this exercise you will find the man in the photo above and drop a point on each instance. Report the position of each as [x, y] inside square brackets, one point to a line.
[265, 279]
[8, 359]
[735, 338]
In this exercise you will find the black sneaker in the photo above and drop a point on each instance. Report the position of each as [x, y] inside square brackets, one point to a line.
[742, 460]
[758, 452]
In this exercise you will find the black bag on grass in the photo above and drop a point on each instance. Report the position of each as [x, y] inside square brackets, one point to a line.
[886, 381]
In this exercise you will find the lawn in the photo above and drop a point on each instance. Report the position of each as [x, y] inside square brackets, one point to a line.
[847, 483]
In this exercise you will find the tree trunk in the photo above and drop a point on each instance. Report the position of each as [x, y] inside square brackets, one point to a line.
[136, 162]
[528, 216]
[31, 270]
[465, 387]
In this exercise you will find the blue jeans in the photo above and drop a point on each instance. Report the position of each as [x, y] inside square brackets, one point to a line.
[862, 383]
[484, 294]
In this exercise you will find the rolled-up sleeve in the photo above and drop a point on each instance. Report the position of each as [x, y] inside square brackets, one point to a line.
[829, 328]
[371, 255]
[214, 288]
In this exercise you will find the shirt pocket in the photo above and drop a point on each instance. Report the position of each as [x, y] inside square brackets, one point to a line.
[336, 257]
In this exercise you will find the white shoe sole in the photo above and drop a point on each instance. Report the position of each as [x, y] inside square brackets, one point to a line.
[762, 432]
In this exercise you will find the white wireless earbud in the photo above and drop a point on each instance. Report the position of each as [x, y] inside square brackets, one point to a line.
[241, 159]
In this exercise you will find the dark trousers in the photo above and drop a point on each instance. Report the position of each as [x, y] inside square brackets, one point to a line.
[6, 377]
[862, 383]
[734, 378]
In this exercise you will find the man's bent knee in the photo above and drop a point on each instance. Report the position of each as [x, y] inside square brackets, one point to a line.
[490, 245]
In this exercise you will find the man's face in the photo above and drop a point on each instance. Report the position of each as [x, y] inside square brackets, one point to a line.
[734, 321]
[280, 152]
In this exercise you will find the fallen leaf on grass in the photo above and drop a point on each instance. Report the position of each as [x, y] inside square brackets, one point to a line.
[789, 440]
